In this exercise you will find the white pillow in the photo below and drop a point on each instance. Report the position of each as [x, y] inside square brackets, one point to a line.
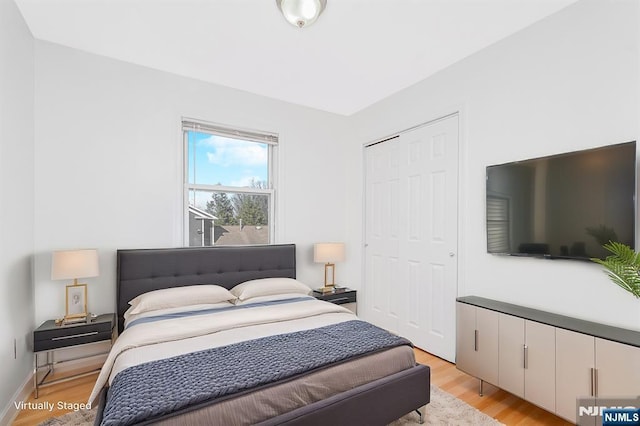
[271, 298]
[179, 296]
[267, 287]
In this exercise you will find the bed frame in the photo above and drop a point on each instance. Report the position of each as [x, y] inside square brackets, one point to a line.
[376, 403]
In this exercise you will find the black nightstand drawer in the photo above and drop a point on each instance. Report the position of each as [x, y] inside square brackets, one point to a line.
[50, 336]
[339, 297]
[72, 340]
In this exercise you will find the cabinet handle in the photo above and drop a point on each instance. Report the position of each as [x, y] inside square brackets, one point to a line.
[593, 390]
[337, 300]
[475, 340]
[595, 382]
[525, 350]
[75, 335]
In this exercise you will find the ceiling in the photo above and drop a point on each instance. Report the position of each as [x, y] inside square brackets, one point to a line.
[357, 53]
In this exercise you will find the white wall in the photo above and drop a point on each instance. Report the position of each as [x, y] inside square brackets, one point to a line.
[108, 154]
[108, 161]
[566, 83]
[16, 203]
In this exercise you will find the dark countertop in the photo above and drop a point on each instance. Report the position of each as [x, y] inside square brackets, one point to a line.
[616, 334]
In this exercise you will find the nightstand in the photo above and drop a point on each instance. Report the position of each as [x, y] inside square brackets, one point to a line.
[340, 296]
[50, 337]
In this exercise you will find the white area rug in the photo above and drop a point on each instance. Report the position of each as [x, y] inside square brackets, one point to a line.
[444, 409]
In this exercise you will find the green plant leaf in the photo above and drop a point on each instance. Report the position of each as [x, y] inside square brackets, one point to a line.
[623, 267]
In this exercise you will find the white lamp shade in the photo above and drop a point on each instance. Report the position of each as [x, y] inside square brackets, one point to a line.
[328, 252]
[72, 264]
[301, 13]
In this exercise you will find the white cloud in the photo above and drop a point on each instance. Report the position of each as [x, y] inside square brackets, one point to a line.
[231, 152]
[245, 181]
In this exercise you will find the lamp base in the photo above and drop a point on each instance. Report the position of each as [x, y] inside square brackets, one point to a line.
[76, 319]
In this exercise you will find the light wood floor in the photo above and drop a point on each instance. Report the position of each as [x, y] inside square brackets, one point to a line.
[501, 405]
[74, 391]
[496, 403]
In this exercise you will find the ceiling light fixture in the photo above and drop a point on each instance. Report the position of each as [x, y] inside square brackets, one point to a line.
[301, 13]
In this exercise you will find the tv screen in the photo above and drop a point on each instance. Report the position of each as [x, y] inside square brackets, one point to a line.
[563, 206]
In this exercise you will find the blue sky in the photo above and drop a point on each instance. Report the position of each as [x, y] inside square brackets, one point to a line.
[217, 160]
[230, 162]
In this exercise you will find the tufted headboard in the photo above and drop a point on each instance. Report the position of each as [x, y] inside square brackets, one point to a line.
[143, 270]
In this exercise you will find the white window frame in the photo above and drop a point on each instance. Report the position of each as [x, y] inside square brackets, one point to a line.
[271, 139]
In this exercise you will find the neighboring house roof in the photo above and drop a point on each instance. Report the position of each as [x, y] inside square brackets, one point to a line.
[201, 214]
[234, 235]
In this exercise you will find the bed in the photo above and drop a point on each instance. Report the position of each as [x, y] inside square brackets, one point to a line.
[372, 387]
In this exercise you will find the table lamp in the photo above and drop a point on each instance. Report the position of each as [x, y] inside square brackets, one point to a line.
[328, 253]
[74, 264]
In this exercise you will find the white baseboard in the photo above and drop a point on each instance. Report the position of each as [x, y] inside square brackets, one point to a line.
[9, 413]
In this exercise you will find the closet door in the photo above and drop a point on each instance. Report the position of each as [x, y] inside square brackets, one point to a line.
[384, 286]
[411, 235]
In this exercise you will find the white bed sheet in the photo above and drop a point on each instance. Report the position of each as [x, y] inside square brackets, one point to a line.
[167, 338]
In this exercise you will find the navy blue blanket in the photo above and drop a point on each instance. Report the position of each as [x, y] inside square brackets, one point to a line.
[160, 387]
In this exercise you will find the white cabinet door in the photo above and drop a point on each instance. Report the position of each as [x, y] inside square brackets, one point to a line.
[477, 342]
[618, 369]
[527, 360]
[487, 344]
[511, 353]
[540, 362]
[575, 355]
[466, 359]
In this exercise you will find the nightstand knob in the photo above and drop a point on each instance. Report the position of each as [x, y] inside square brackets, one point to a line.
[451, 254]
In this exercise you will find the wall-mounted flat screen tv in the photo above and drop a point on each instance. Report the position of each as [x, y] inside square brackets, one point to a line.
[563, 206]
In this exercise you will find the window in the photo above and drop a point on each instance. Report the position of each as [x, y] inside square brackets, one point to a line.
[498, 238]
[229, 195]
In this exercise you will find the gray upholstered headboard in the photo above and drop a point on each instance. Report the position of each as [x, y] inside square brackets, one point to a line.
[143, 270]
